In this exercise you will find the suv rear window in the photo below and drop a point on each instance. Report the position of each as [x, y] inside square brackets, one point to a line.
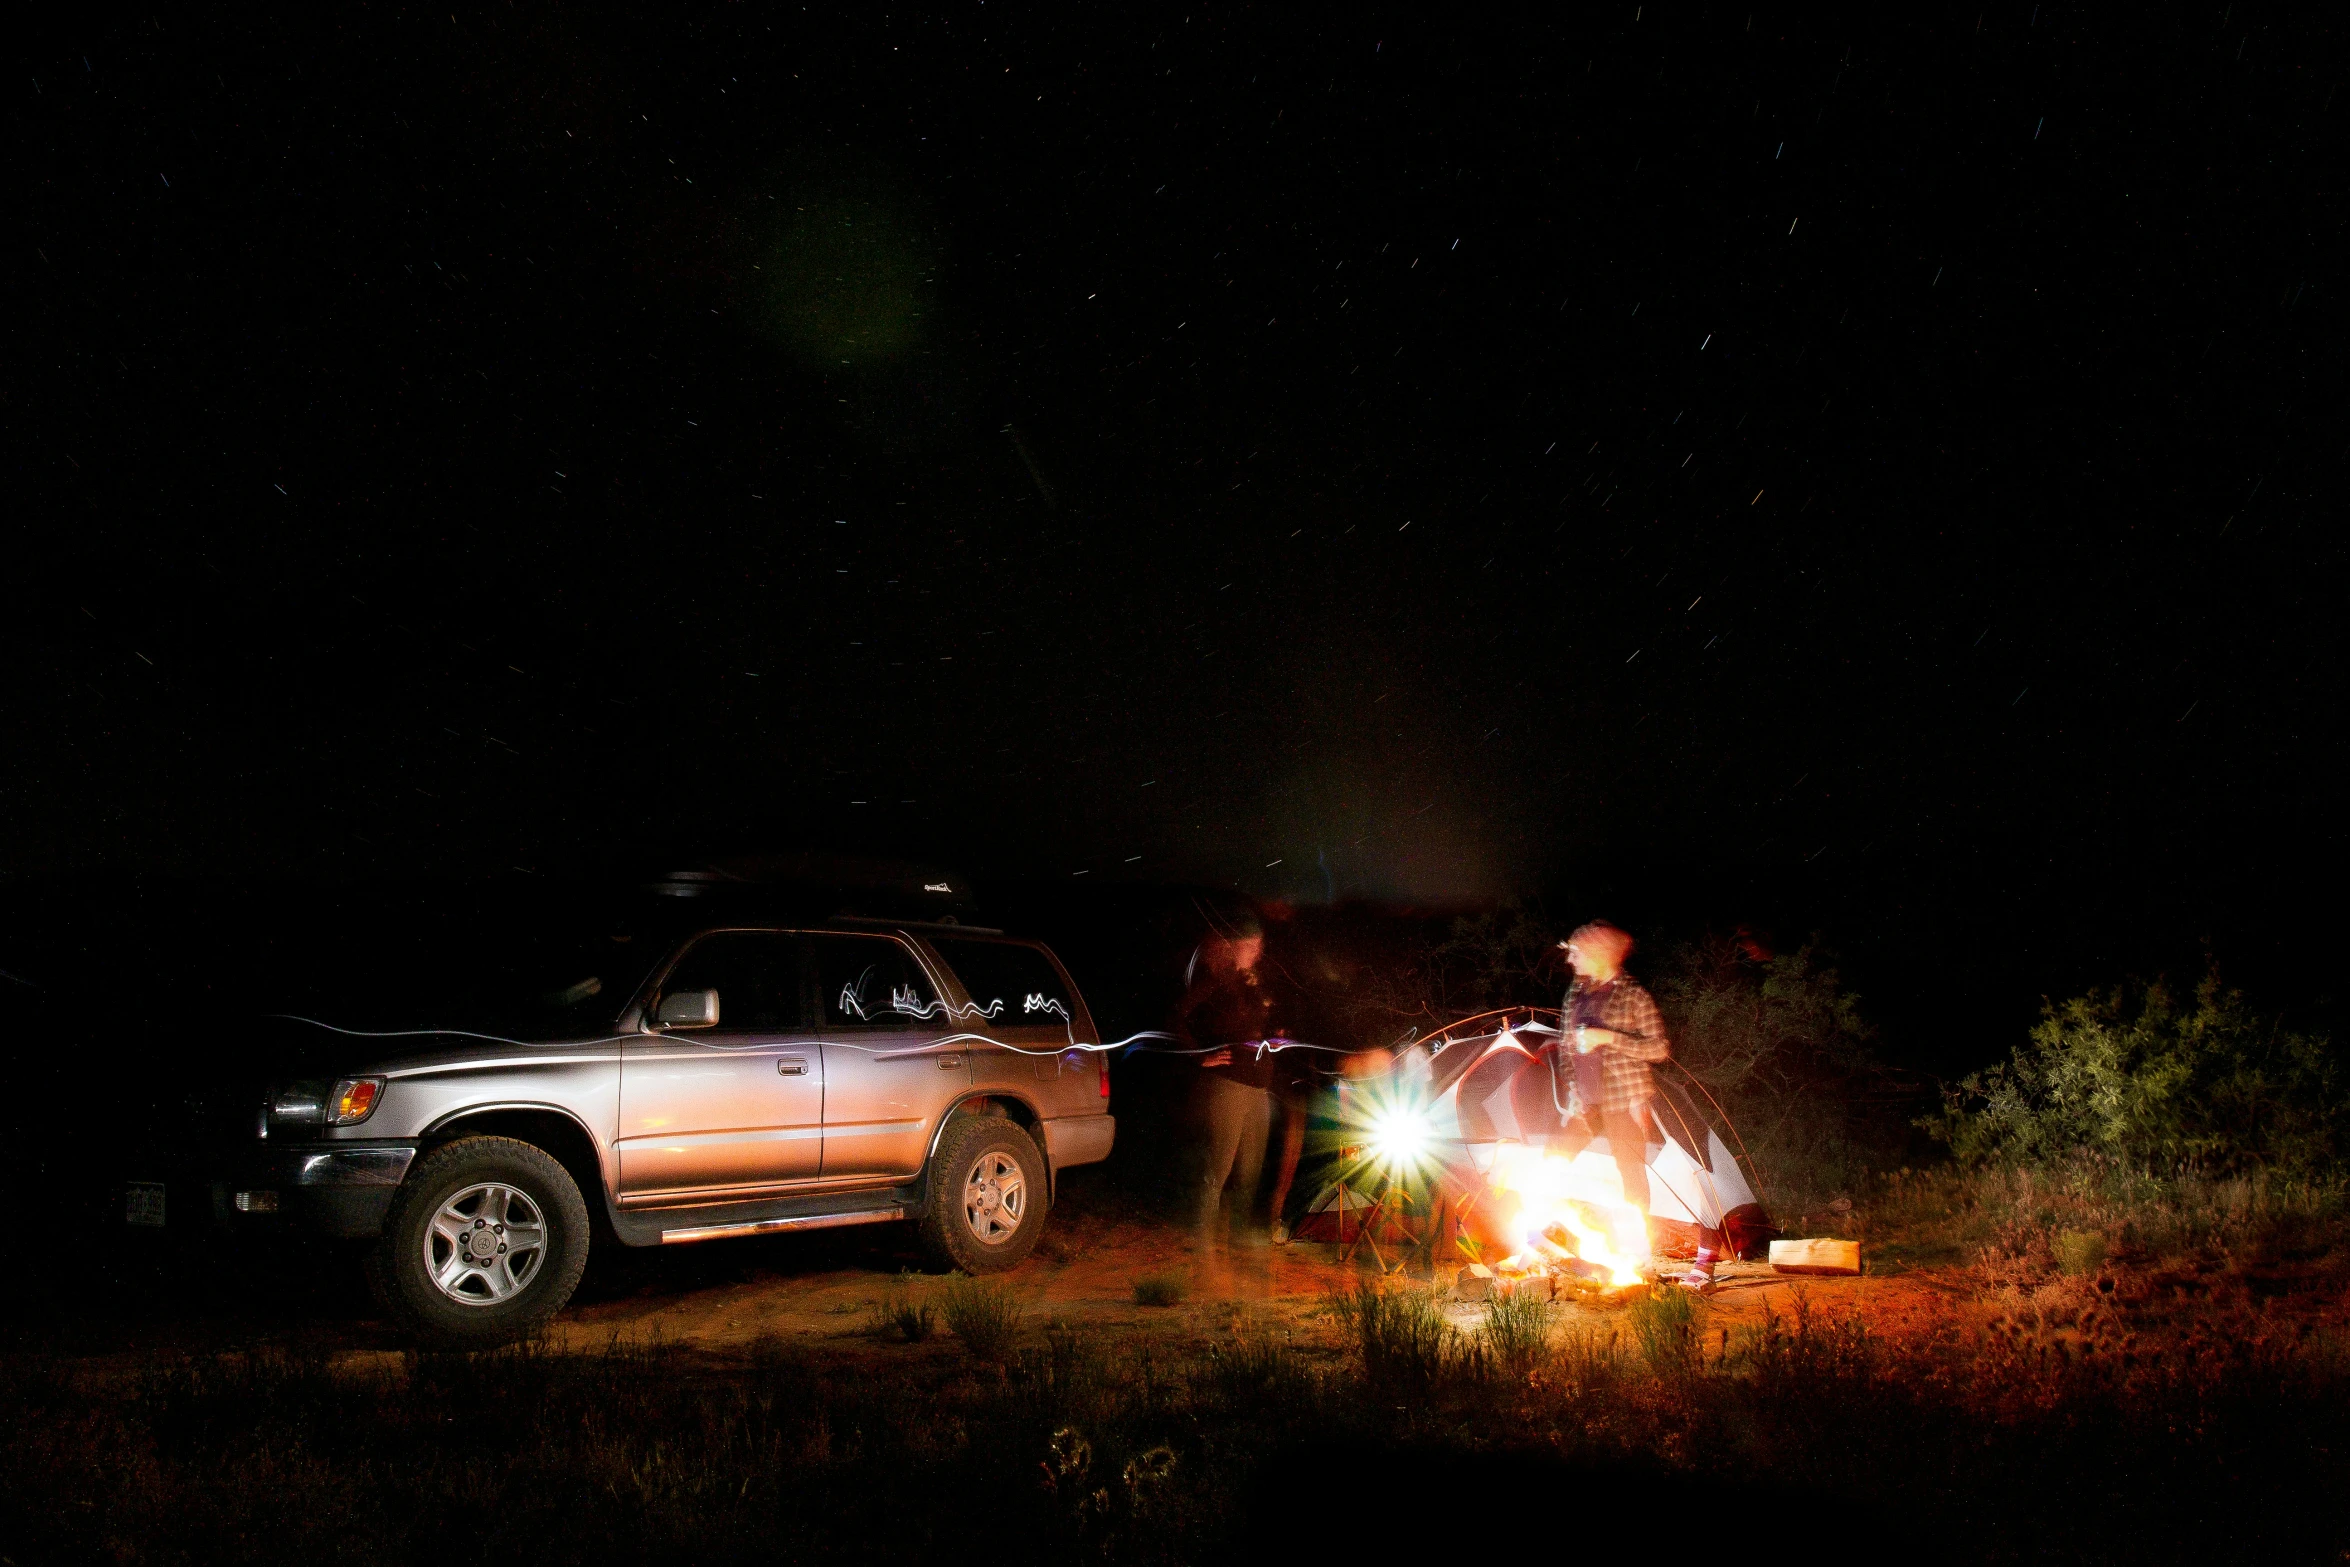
[873, 982]
[1014, 986]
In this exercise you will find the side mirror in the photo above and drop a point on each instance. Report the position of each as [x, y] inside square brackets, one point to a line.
[688, 1009]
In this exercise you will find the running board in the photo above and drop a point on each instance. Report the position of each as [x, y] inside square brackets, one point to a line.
[807, 1221]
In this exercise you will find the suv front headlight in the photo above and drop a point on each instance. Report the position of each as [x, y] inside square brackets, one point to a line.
[353, 1100]
[297, 1104]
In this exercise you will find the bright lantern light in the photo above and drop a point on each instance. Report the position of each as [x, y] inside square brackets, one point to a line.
[1391, 1128]
[1399, 1136]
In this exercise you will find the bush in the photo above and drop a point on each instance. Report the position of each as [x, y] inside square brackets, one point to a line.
[1401, 1334]
[2133, 1076]
[1160, 1289]
[1784, 1048]
[983, 1315]
[1664, 1325]
[910, 1320]
[898, 1315]
[1517, 1331]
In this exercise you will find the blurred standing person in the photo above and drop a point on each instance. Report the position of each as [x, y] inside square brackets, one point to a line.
[1302, 1072]
[1613, 1032]
[1295, 1085]
[1224, 1016]
[1294, 1079]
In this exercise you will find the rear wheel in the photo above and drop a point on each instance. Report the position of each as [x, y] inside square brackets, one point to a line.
[485, 1241]
[985, 1194]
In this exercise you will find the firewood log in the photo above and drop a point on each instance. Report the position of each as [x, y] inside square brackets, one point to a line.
[1819, 1256]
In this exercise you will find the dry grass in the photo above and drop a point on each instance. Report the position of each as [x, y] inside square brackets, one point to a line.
[1161, 1289]
[1401, 1335]
[983, 1313]
[2049, 1437]
[1517, 1332]
[898, 1315]
[2016, 1225]
[1664, 1324]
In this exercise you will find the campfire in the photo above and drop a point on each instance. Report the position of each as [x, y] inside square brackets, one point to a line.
[1571, 1217]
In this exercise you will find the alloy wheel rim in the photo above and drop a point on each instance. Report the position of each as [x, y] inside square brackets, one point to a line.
[995, 1198]
[485, 1244]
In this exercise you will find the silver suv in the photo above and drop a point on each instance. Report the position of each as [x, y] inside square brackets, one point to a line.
[754, 1080]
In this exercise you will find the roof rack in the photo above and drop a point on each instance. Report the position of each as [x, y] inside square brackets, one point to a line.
[950, 923]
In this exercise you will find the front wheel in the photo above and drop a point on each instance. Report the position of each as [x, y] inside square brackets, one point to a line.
[986, 1196]
[486, 1240]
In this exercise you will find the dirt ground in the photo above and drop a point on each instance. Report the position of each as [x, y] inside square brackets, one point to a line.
[1084, 1277]
[818, 1292]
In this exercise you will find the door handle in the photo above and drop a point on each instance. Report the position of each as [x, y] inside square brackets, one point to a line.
[792, 1066]
[949, 1063]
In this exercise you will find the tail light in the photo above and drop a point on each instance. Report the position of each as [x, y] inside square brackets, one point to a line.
[1102, 1065]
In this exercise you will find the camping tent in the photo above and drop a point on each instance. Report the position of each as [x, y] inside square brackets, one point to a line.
[1342, 1212]
[1492, 1088]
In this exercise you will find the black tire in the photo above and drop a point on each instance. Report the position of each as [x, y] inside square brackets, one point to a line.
[492, 1181]
[951, 1231]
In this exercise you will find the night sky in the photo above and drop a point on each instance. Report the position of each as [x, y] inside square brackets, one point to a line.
[1686, 462]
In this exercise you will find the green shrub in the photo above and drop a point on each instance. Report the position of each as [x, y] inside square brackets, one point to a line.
[1517, 1331]
[1664, 1325]
[984, 1315]
[1161, 1289]
[1401, 1334]
[2132, 1075]
[910, 1320]
[1780, 1044]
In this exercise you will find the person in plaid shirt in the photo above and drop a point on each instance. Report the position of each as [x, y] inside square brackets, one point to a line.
[1613, 1032]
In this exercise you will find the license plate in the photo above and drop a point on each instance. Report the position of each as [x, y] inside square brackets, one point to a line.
[142, 1203]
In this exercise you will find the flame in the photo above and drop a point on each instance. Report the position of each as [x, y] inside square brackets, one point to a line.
[1569, 1208]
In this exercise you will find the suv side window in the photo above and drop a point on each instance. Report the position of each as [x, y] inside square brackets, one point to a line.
[1013, 986]
[756, 974]
[873, 982]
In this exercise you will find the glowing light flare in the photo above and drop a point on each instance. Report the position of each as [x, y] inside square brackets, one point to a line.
[1399, 1136]
[1569, 1208]
[1395, 1131]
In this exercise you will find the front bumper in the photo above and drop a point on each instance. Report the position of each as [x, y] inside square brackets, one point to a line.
[342, 1190]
